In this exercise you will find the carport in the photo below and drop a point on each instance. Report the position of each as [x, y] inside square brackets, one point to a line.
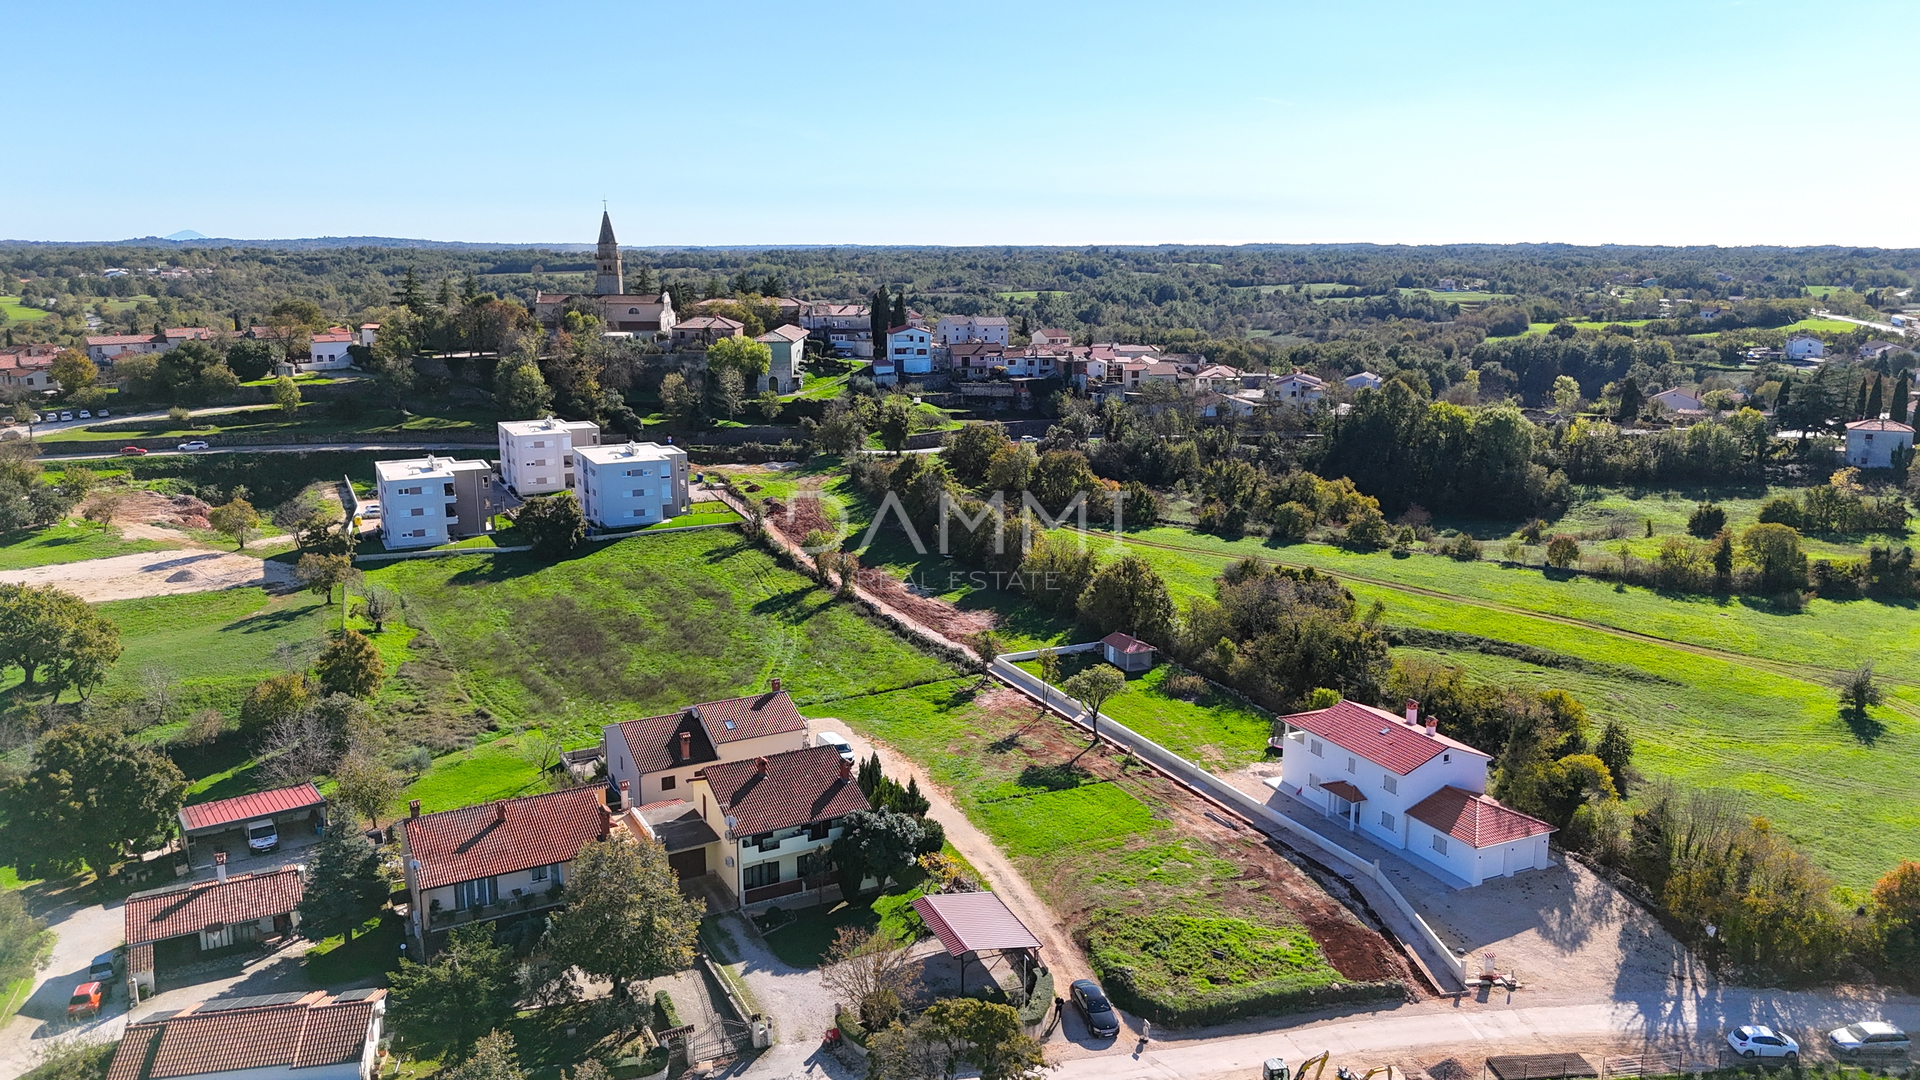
[298, 811]
[978, 923]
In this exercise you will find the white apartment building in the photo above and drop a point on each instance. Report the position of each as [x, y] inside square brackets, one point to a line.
[630, 484]
[911, 350]
[956, 329]
[536, 456]
[432, 500]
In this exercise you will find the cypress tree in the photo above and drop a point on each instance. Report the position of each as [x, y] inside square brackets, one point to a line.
[1860, 402]
[1902, 393]
[900, 310]
[1876, 398]
[879, 307]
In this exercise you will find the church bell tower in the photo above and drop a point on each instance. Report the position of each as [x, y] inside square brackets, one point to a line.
[607, 278]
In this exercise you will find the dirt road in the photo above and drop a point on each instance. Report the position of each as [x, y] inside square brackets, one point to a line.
[155, 573]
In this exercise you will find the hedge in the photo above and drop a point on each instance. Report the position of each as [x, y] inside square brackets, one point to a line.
[1039, 1000]
[665, 1016]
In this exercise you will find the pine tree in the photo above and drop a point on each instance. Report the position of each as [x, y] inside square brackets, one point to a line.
[344, 883]
[446, 296]
[411, 295]
[470, 289]
[642, 279]
[1629, 400]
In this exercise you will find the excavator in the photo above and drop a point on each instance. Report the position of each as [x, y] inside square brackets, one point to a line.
[1276, 1069]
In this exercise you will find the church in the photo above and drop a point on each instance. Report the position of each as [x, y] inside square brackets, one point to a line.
[620, 311]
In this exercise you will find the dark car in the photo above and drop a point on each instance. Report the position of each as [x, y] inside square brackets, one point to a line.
[1094, 1006]
[102, 970]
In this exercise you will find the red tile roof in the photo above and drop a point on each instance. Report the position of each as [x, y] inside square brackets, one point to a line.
[120, 339]
[1377, 735]
[501, 837]
[1879, 425]
[787, 332]
[710, 322]
[311, 1032]
[654, 743]
[171, 913]
[242, 808]
[321, 339]
[1344, 790]
[798, 788]
[972, 922]
[1480, 820]
[1125, 643]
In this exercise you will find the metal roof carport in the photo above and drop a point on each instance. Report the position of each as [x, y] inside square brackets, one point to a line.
[975, 922]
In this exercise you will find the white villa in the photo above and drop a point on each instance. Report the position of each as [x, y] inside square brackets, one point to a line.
[1872, 444]
[536, 456]
[1406, 786]
[1298, 388]
[631, 483]
[958, 329]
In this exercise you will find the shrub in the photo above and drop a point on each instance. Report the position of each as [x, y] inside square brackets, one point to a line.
[1531, 532]
[1290, 521]
[665, 1016]
[1465, 549]
[1782, 510]
[1707, 520]
[1187, 687]
[1563, 551]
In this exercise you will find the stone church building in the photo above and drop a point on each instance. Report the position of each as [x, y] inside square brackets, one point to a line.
[620, 311]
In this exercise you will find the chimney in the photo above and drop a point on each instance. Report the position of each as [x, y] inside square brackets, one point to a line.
[220, 865]
[500, 810]
[846, 769]
[413, 808]
[776, 684]
[1413, 713]
[760, 766]
[686, 746]
[1433, 726]
[626, 794]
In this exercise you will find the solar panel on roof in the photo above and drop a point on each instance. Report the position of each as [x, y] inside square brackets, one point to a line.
[361, 994]
[154, 1018]
[258, 1002]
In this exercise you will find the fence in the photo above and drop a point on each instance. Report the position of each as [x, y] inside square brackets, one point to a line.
[1205, 783]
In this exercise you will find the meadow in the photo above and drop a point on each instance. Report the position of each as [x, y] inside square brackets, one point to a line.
[14, 311]
[69, 541]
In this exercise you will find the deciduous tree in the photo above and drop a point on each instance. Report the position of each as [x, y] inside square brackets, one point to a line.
[1127, 594]
[954, 1033]
[365, 786]
[553, 524]
[51, 634]
[468, 989]
[236, 519]
[320, 573]
[625, 918]
[274, 699]
[286, 394]
[1093, 688]
[351, 665]
[872, 973]
[90, 797]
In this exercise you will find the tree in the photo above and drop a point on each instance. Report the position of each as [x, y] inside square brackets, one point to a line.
[286, 394]
[553, 524]
[872, 973]
[1707, 520]
[874, 843]
[344, 884]
[679, 400]
[1615, 751]
[45, 631]
[74, 371]
[1896, 907]
[1630, 401]
[21, 938]
[237, 520]
[379, 605]
[879, 310]
[365, 786]
[493, 1058]
[320, 573]
[625, 918]
[90, 797]
[1128, 595]
[252, 358]
[957, 1032]
[1566, 394]
[468, 989]
[351, 665]
[769, 404]
[746, 357]
[986, 645]
[1563, 551]
[519, 388]
[274, 699]
[970, 450]
[1858, 690]
[1775, 549]
[733, 391]
[411, 294]
[1093, 688]
[896, 423]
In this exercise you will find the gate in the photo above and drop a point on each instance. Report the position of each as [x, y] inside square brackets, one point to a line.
[723, 1040]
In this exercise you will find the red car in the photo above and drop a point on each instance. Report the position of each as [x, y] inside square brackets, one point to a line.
[85, 1000]
[134, 451]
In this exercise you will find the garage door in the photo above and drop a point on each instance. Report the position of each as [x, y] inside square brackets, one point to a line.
[689, 864]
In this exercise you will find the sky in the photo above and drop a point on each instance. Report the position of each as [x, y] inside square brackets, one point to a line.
[986, 122]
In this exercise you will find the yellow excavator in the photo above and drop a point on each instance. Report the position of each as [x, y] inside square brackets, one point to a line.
[1276, 1069]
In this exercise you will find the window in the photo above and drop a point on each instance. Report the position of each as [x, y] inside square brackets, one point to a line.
[1444, 758]
[418, 511]
[538, 873]
[668, 783]
[1439, 844]
[761, 874]
[472, 894]
[1386, 821]
[1314, 747]
[1391, 783]
[639, 493]
[1351, 766]
[818, 830]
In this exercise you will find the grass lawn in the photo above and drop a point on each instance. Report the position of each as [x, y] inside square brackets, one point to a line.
[14, 311]
[820, 389]
[374, 951]
[69, 541]
[260, 420]
[1820, 326]
[1216, 730]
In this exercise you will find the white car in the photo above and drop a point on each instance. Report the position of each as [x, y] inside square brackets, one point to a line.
[86, 414]
[262, 836]
[1869, 1037]
[1756, 1041]
[828, 738]
[197, 444]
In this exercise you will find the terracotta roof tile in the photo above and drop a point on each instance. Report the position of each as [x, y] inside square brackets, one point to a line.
[1344, 790]
[1480, 820]
[786, 332]
[120, 339]
[799, 787]
[308, 1033]
[654, 743]
[242, 808]
[1126, 643]
[501, 837]
[170, 913]
[1377, 735]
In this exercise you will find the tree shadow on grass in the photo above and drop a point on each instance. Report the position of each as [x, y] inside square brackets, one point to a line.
[1061, 777]
[1864, 727]
[783, 602]
[273, 620]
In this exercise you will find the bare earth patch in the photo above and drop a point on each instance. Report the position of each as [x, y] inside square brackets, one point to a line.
[158, 573]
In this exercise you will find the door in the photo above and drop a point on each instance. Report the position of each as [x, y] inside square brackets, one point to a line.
[688, 864]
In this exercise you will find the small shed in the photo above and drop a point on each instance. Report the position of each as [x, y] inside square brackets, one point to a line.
[221, 825]
[1126, 652]
[978, 923]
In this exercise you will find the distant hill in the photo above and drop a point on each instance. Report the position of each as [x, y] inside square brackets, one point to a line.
[185, 234]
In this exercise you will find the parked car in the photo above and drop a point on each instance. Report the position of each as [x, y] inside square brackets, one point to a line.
[1095, 1008]
[66, 416]
[1758, 1041]
[262, 836]
[828, 738]
[85, 1000]
[102, 970]
[1869, 1037]
[86, 414]
[103, 414]
[134, 451]
[194, 444]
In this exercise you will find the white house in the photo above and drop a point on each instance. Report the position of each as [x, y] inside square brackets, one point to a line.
[1298, 388]
[369, 333]
[295, 1036]
[631, 483]
[29, 366]
[1365, 380]
[956, 329]
[1805, 347]
[1047, 336]
[1872, 444]
[655, 758]
[911, 350]
[1406, 786]
[328, 350]
[432, 500]
[788, 344]
[776, 815]
[1678, 400]
[845, 328]
[536, 456]
[491, 860]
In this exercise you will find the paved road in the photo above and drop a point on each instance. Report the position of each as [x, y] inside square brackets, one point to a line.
[286, 449]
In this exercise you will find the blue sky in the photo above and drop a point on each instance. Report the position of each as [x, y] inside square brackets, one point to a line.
[948, 123]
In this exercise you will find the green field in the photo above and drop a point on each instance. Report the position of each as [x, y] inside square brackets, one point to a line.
[67, 542]
[1820, 326]
[10, 307]
[1216, 730]
[259, 420]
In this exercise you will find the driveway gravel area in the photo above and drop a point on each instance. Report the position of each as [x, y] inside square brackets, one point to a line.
[154, 573]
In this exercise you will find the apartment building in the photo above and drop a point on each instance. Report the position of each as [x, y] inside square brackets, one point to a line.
[631, 483]
[433, 500]
[537, 456]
